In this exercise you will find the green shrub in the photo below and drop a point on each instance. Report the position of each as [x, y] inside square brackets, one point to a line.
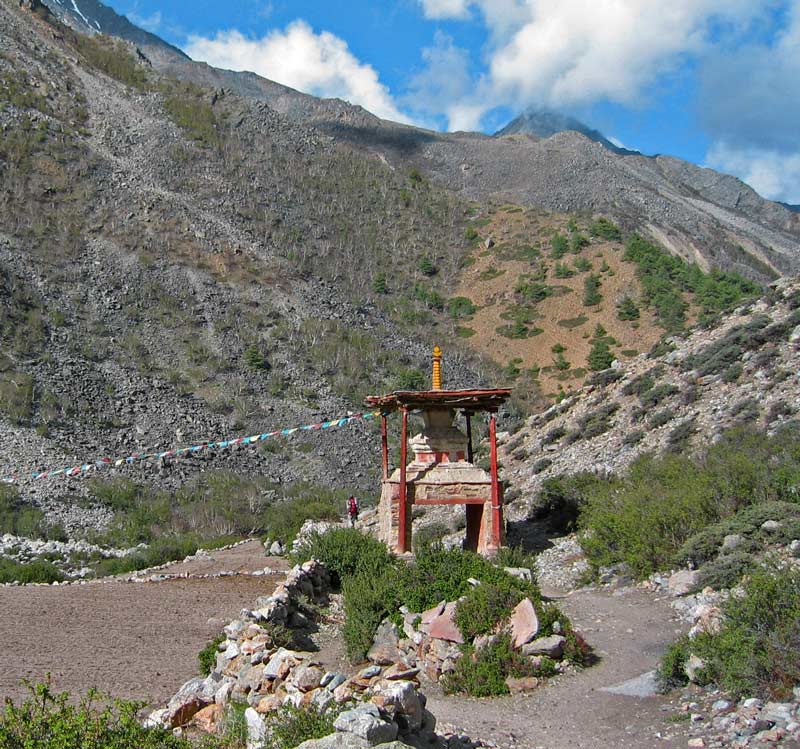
[605, 377]
[207, 657]
[555, 434]
[254, 358]
[483, 673]
[369, 597]
[605, 229]
[18, 517]
[582, 264]
[484, 606]
[576, 243]
[561, 499]
[460, 307]
[732, 373]
[291, 726]
[757, 651]
[533, 291]
[627, 309]
[52, 721]
[560, 245]
[38, 571]
[597, 422]
[426, 266]
[562, 270]
[346, 552]
[429, 534]
[591, 290]
[726, 570]
[659, 418]
[670, 673]
[633, 438]
[600, 356]
[379, 284]
[657, 394]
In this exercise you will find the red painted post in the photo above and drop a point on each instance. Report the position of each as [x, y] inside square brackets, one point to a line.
[401, 520]
[470, 453]
[384, 447]
[497, 513]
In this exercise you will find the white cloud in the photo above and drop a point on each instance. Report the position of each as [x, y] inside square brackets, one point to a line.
[568, 52]
[149, 23]
[773, 174]
[319, 64]
[445, 8]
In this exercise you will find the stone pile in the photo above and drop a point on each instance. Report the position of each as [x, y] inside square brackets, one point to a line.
[430, 642]
[717, 722]
[379, 702]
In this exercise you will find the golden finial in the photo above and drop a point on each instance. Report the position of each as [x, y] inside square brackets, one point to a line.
[437, 368]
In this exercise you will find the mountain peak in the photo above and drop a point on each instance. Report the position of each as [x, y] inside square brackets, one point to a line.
[546, 122]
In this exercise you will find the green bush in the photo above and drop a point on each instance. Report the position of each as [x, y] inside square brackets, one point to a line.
[483, 673]
[605, 377]
[207, 657]
[560, 245]
[18, 517]
[591, 290]
[346, 552]
[657, 394]
[426, 266]
[633, 438]
[291, 726]
[369, 598]
[757, 651]
[533, 291]
[665, 278]
[582, 264]
[627, 309]
[52, 721]
[562, 270]
[659, 418]
[561, 499]
[254, 358]
[484, 606]
[605, 229]
[726, 570]
[38, 571]
[676, 508]
[600, 356]
[460, 307]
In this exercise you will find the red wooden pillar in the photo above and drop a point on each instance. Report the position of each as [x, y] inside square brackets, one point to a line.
[401, 520]
[470, 453]
[384, 447]
[497, 510]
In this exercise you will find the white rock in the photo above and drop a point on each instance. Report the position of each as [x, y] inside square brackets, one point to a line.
[256, 729]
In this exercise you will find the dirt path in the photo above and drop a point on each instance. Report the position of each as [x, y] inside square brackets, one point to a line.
[133, 640]
[629, 630]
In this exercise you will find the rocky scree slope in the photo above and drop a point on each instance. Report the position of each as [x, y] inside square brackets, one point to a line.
[743, 371]
[702, 215]
[176, 265]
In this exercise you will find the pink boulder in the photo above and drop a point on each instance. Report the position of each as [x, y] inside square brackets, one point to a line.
[524, 623]
[444, 627]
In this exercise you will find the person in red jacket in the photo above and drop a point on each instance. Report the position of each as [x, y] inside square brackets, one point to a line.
[352, 510]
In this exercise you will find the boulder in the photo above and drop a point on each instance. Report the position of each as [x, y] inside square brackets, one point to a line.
[552, 646]
[307, 677]
[399, 700]
[400, 670]
[270, 703]
[426, 617]
[208, 718]
[366, 721]
[524, 623]
[280, 664]
[771, 526]
[276, 549]
[732, 541]
[521, 684]
[444, 627]
[190, 698]
[385, 645]
[256, 729]
[682, 582]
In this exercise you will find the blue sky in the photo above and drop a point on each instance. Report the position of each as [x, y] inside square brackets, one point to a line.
[711, 81]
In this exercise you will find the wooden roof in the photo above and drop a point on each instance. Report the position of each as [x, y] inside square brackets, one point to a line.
[467, 400]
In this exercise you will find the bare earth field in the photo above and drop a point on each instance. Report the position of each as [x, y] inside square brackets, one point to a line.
[137, 640]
